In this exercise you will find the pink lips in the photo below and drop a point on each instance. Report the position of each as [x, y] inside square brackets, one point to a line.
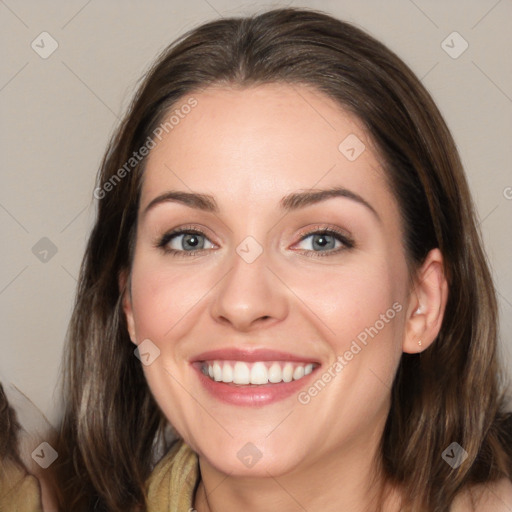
[235, 354]
[251, 395]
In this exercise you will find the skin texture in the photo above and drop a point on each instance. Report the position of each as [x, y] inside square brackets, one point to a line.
[495, 497]
[248, 148]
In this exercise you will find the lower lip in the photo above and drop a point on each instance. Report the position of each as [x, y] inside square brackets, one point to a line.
[255, 395]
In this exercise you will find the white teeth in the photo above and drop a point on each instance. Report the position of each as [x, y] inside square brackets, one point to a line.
[275, 374]
[258, 373]
[227, 373]
[287, 372]
[298, 373]
[217, 371]
[241, 373]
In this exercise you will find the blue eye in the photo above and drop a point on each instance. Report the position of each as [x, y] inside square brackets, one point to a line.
[324, 242]
[184, 242]
[190, 242]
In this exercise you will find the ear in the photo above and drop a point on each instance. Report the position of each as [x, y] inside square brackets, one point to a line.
[427, 304]
[125, 291]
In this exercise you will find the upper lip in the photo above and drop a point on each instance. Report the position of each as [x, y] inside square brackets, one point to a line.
[260, 354]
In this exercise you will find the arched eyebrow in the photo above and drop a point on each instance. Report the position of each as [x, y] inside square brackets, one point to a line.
[305, 198]
[290, 202]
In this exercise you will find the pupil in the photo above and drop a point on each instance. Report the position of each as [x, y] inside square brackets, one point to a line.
[322, 241]
[191, 240]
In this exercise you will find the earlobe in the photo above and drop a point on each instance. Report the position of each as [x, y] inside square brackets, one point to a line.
[427, 304]
[124, 290]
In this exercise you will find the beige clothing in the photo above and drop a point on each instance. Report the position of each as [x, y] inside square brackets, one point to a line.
[173, 482]
[19, 491]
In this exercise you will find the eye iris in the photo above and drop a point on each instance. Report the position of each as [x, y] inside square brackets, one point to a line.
[320, 241]
[192, 240]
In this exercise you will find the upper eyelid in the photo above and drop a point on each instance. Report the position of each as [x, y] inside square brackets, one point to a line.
[326, 229]
[182, 231]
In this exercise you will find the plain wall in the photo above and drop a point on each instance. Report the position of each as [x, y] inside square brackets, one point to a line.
[58, 113]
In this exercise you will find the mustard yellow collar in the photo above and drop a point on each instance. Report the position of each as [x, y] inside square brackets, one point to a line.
[172, 484]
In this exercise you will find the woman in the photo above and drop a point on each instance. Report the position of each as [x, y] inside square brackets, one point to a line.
[286, 268]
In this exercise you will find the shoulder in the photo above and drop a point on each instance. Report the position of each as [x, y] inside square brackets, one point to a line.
[489, 497]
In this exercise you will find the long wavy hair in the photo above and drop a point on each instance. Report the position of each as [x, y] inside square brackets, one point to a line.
[453, 391]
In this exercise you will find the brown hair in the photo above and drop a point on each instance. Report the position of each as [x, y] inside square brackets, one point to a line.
[9, 428]
[451, 392]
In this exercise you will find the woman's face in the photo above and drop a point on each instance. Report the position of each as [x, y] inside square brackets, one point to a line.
[256, 291]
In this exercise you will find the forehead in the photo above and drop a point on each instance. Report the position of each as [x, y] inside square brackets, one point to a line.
[256, 144]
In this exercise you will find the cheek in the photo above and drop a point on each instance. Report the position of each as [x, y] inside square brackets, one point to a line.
[164, 301]
[163, 298]
[357, 310]
[356, 302]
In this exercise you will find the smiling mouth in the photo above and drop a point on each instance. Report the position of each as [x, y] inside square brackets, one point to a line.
[256, 373]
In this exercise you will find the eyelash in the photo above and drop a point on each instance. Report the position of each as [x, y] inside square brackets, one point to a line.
[347, 242]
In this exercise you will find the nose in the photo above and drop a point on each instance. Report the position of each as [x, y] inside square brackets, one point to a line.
[249, 295]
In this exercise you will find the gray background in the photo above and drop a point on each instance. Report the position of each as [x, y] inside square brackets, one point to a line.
[58, 113]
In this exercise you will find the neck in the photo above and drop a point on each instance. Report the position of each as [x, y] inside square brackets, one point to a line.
[348, 479]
